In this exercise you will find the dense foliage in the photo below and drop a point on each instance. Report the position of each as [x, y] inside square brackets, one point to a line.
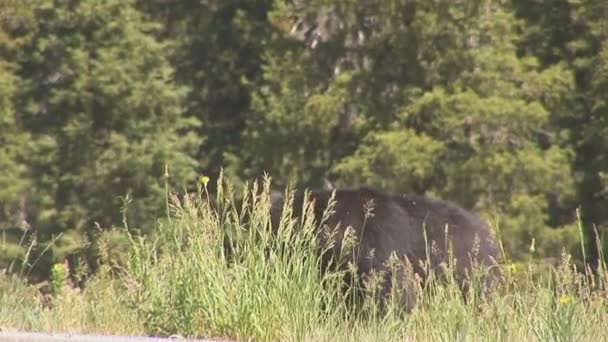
[107, 105]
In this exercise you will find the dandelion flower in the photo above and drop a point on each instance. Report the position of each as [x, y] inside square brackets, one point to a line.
[204, 180]
[565, 299]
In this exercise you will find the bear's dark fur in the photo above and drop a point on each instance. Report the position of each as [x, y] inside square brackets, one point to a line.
[397, 224]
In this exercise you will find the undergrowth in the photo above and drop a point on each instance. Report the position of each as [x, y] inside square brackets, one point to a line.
[212, 268]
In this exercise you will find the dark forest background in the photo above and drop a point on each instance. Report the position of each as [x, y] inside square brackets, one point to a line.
[501, 106]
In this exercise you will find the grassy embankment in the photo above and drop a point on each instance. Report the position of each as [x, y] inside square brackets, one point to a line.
[178, 282]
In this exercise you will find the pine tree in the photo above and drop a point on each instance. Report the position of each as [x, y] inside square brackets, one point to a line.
[216, 50]
[15, 143]
[429, 97]
[99, 100]
[340, 70]
[575, 33]
[587, 121]
[484, 139]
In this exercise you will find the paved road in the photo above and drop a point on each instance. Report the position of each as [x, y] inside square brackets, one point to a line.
[20, 336]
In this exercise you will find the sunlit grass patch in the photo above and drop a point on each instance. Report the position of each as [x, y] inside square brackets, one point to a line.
[214, 268]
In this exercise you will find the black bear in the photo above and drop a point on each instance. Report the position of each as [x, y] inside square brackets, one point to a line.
[402, 224]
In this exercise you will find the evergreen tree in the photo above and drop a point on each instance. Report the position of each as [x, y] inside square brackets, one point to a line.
[99, 101]
[575, 33]
[341, 70]
[476, 140]
[499, 106]
[547, 31]
[15, 144]
[415, 96]
[216, 50]
[587, 120]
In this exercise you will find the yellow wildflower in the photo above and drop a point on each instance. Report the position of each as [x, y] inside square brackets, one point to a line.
[204, 180]
[565, 299]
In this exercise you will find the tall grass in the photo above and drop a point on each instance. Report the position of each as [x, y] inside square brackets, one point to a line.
[185, 282]
[214, 269]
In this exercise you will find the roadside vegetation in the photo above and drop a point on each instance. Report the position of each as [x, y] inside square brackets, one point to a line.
[180, 280]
